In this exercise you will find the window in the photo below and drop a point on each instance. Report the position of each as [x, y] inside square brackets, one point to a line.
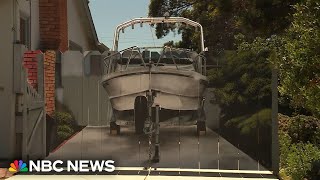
[24, 31]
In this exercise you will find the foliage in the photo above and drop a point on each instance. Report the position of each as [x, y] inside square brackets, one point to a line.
[250, 122]
[66, 124]
[244, 79]
[223, 19]
[288, 29]
[242, 88]
[305, 129]
[300, 160]
[63, 118]
[284, 147]
[299, 146]
[301, 128]
[262, 34]
[296, 55]
[64, 132]
[299, 61]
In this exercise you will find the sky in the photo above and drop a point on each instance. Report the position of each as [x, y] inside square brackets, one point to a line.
[107, 14]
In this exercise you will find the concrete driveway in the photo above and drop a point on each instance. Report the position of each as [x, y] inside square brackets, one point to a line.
[180, 149]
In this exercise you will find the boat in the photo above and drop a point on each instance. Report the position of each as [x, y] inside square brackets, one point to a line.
[150, 85]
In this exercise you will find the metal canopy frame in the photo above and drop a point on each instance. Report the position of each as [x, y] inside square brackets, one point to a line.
[108, 61]
[156, 20]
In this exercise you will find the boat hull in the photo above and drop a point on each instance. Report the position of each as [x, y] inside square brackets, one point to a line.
[176, 90]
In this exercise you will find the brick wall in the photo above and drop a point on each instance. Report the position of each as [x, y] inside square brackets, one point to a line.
[53, 25]
[31, 64]
[63, 6]
[49, 80]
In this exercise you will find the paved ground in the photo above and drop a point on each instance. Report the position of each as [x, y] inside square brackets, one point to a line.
[4, 173]
[180, 148]
[94, 177]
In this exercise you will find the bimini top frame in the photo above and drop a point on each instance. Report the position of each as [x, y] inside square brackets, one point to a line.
[156, 20]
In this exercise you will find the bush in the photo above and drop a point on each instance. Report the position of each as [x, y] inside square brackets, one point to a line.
[284, 145]
[66, 125]
[301, 128]
[64, 132]
[63, 118]
[300, 159]
[299, 139]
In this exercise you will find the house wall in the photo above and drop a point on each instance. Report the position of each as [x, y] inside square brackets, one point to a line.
[35, 27]
[77, 25]
[10, 12]
[7, 98]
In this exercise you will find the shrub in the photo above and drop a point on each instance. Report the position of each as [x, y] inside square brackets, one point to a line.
[301, 157]
[63, 118]
[305, 129]
[64, 131]
[66, 125]
[284, 145]
[284, 123]
[299, 139]
[301, 128]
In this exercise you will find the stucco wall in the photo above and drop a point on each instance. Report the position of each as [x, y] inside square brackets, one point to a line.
[76, 25]
[10, 12]
[6, 80]
[35, 33]
[23, 10]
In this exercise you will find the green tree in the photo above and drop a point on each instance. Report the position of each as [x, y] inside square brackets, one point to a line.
[223, 19]
[299, 58]
[242, 88]
[296, 54]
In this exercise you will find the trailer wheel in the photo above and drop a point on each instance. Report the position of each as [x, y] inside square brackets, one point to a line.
[201, 124]
[201, 128]
[140, 113]
[114, 128]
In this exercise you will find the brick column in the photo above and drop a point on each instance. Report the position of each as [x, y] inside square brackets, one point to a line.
[53, 22]
[49, 60]
[31, 64]
[49, 80]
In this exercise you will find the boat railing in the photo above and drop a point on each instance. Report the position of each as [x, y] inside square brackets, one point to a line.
[115, 57]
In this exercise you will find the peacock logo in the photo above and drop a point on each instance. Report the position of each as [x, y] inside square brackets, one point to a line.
[18, 166]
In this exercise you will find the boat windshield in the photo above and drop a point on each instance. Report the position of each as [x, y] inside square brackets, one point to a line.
[182, 59]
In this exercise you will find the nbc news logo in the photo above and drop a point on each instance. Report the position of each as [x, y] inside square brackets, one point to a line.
[55, 166]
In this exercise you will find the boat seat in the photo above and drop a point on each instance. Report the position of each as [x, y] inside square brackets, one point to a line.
[146, 56]
[179, 58]
[134, 56]
[155, 56]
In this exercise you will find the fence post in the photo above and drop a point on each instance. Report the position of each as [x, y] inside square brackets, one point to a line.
[18, 66]
[24, 118]
[275, 137]
[41, 91]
